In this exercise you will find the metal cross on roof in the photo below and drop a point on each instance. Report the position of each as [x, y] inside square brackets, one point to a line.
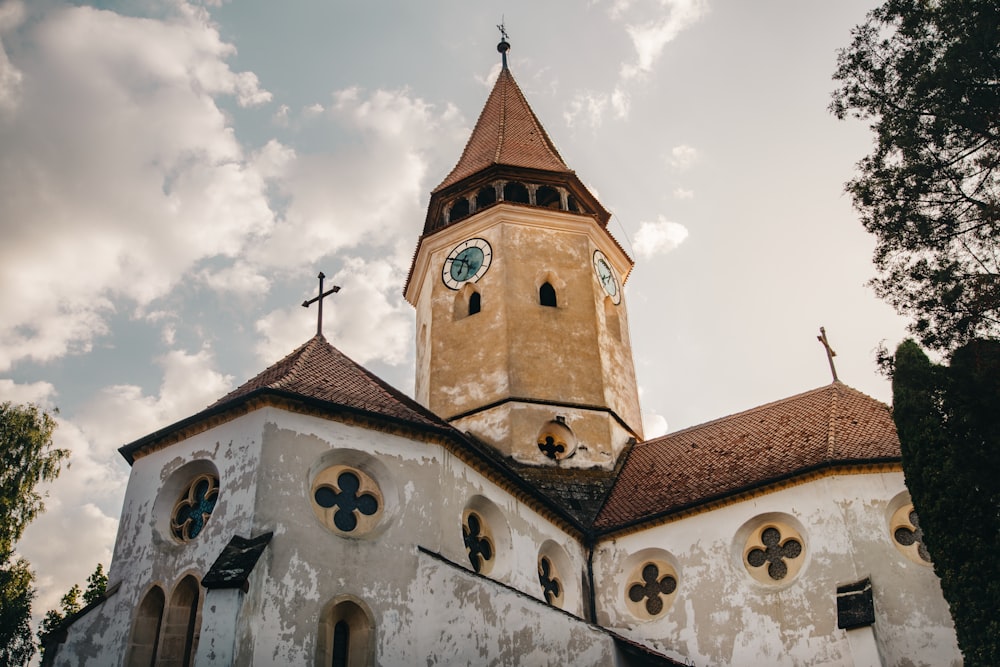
[320, 297]
[830, 354]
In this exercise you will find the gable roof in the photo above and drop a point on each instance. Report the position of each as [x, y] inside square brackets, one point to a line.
[507, 133]
[319, 371]
[316, 373]
[829, 426]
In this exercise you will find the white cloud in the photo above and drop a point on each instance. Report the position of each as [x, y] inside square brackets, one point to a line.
[683, 157]
[682, 193]
[651, 35]
[369, 192]
[656, 238]
[653, 425]
[89, 492]
[119, 171]
[366, 320]
[39, 393]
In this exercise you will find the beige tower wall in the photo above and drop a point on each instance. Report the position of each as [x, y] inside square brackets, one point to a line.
[573, 361]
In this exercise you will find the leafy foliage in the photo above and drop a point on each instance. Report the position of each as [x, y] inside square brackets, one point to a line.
[949, 428]
[16, 594]
[27, 457]
[927, 75]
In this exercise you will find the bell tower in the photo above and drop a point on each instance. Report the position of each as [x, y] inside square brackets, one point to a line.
[522, 333]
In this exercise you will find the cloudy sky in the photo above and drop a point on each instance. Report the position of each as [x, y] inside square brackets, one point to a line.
[174, 174]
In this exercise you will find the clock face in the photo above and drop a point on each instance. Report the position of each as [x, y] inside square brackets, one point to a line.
[468, 261]
[606, 276]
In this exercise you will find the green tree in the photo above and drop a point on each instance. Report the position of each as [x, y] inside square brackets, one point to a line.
[949, 429]
[16, 594]
[97, 584]
[926, 74]
[27, 457]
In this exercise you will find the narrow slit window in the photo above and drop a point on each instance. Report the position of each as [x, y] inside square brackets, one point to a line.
[475, 303]
[341, 643]
[547, 295]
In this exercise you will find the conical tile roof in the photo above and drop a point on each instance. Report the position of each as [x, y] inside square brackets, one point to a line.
[507, 133]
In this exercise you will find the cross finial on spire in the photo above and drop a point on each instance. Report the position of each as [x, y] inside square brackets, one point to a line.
[322, 294]
[830, 354]
[504, 46]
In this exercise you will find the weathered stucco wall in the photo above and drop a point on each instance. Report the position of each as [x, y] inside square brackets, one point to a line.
[721, 615]
[145, 554]
[577, 353]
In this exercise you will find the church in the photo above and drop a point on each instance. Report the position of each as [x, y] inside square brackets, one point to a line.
[511, 512]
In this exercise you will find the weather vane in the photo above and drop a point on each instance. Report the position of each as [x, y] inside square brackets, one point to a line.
[830, 354]
[502, 29]
[503, 46]
[320, 297]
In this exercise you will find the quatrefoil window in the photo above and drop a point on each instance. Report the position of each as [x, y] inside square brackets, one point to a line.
[194, 507]
[556, 441]
[548, 577]
[908, 536]
[478, 542]
[774, 553]
[347, 500]
[651, 588]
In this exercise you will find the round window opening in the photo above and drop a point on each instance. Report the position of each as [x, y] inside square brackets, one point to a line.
[908, 536]
[347, 500]
[774, 553]
[479, 542]
[651, 589]
[556, 441]
[194, 507]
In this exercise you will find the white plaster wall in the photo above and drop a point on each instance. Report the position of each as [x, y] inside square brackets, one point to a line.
[722, 616]
[144, 556]
[307, 565]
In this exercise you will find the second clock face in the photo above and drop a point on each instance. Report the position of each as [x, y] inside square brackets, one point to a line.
[606, 276]
[468, 261]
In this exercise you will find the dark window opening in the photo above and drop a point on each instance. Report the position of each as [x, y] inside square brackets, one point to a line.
[547, 295]
[574, 205]
[516, 192]
[459, 210]
[341, 643]
[485, 197]
[547, 197]
[475, 303]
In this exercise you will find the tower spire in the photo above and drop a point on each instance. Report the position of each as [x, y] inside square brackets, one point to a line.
[504, 46]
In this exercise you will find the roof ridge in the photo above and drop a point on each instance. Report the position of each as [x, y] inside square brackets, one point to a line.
[831, 429]
[762, 406]
[307, 351]
[503, 116]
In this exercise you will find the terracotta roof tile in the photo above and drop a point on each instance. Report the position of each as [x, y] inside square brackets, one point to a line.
[832, 424]
[318, 370]
[507, 132]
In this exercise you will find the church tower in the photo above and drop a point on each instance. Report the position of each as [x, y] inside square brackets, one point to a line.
[522, 333]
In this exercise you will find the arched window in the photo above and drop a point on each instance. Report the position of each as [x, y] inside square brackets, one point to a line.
[475, 303]
[548, 197]
[459, 210]
[146, 630]
[346, 635]
[547, 295]
[516, 192]
[181, 627]
[486, 196]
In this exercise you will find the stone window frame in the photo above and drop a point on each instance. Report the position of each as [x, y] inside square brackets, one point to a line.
[633, 576]
[561, 569]
[555, 440]
[493, 527]
[175, 489]
[360, 621]
[374, 478]
[750, 539]
[178, 624]
[331, 516]
[901, 520]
